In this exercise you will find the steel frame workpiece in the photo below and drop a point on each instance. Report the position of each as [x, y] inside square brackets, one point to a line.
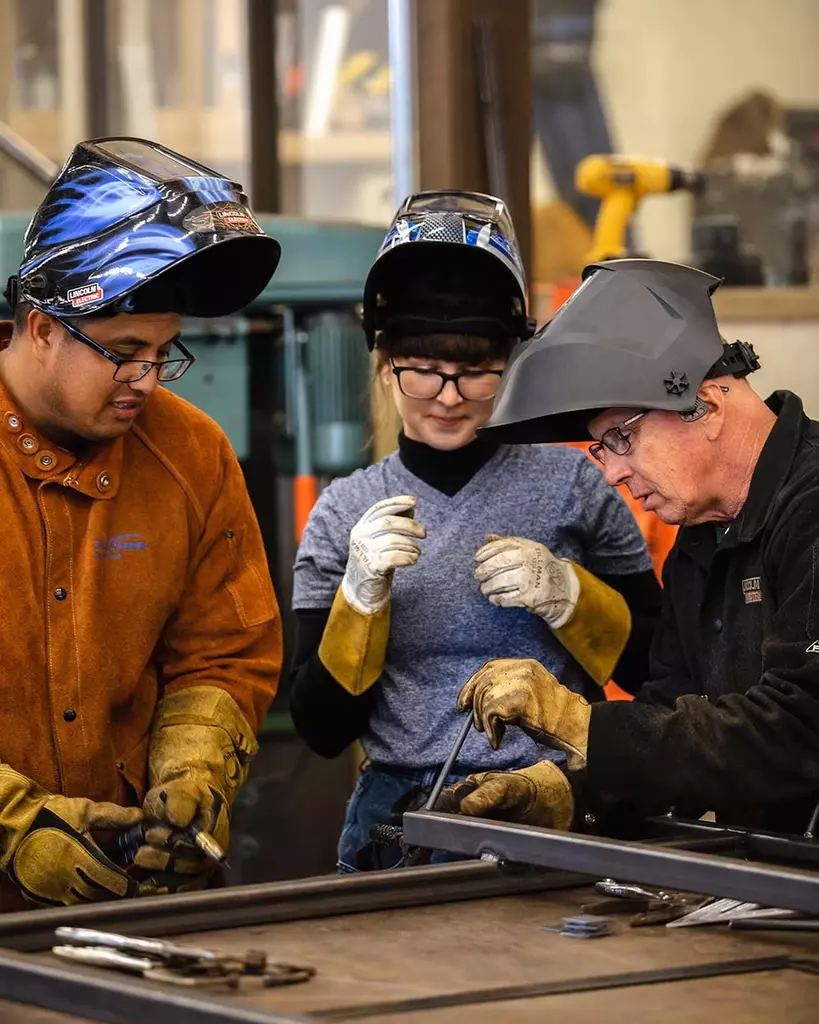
[267, 903]
[648, 863]
[691, 856]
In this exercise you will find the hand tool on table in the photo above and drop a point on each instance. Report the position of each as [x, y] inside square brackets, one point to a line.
[160, 960]
[628, 890]
[647, 906]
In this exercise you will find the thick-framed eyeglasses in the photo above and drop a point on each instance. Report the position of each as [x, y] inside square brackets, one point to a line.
[129, 371]
[471, 385]
[615, 440]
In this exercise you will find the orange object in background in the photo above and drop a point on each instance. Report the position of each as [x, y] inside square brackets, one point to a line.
[305, 495]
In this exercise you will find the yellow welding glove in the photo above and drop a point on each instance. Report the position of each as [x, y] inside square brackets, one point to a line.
[201, 748]
[540, 795]
[46, 847]
[354, 643]
[520, 691]
[588, 617]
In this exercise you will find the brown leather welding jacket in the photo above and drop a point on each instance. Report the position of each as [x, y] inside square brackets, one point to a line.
[135, 570]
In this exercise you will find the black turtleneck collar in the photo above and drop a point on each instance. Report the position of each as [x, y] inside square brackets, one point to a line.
[447, 472]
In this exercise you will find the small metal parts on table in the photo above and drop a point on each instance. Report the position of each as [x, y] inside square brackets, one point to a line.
[584, 926]
[160, 960]
[723, 911]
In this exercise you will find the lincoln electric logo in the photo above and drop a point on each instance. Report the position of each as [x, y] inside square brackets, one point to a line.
[116, 547]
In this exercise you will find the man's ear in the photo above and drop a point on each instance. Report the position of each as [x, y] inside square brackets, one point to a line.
[42, 332]
[711, 408]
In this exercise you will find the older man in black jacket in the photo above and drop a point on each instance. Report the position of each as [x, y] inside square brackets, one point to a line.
[729, 719]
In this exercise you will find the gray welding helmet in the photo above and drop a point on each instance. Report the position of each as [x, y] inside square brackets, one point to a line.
[637, 334]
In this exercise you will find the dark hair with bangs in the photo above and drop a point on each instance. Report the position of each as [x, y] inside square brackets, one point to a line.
[467, 349]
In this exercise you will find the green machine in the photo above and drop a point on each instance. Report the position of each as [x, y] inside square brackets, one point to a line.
[287, 379]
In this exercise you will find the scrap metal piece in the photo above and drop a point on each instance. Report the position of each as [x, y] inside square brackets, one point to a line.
[720, 911]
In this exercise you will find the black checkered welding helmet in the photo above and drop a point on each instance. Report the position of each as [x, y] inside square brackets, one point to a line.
[448, 264]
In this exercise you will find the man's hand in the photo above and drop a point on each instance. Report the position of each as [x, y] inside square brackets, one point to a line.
[518, 573]
[201, 746]
[520, 691]
[169, 853]
[46, 847]
[383, 540]
[540, 795]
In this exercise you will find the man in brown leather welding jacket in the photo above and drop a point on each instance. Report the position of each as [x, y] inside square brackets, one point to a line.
[141, 641]
[728, 720]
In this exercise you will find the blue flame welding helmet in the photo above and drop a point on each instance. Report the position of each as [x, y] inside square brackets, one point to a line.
[129, 226]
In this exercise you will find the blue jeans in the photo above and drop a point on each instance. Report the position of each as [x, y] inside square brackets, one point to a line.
[375, 795]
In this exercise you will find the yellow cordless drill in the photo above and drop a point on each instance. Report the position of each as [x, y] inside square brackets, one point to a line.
[620, 182]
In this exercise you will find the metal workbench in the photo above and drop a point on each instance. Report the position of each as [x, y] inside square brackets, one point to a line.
[459, 942]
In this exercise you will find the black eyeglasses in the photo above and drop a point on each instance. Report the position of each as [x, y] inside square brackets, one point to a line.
[615, 440]
[471, 385]
[129, 371]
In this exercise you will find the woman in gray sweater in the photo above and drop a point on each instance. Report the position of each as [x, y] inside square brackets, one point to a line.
[453, 550]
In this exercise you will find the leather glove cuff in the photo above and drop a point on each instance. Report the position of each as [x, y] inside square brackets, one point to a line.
[353, 646]
[201, 734]
[598, 628]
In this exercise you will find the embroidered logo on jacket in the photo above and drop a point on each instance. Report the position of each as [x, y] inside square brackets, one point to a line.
[752, 589]
[116, 547]
[813, 649]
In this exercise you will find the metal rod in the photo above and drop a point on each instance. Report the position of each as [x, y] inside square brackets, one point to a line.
[754, 882]
[562, 986]
[450, 761]
[400, 27]
[767, 924]
[810, 831]
[300, 900]
[774, 846]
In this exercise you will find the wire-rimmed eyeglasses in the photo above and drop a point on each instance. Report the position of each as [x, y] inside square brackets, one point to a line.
[129, 371]
[615, 440]
[471, 385]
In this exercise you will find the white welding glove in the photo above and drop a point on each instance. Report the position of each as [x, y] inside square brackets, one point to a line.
[383, 540]
[518, 573]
